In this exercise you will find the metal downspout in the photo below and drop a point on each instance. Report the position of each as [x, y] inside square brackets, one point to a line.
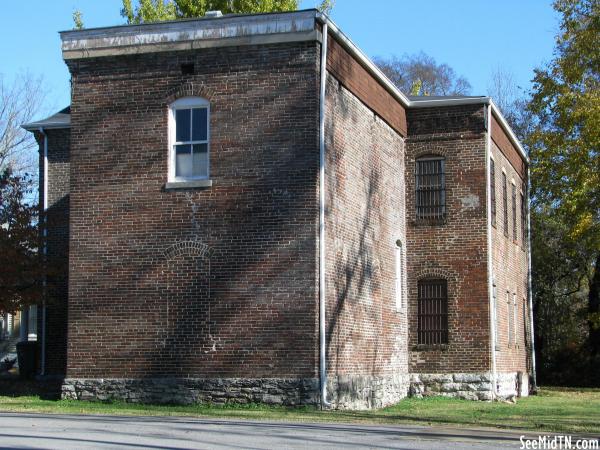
[490, 265]
[531, 334]
[322, 304]
[44, 251]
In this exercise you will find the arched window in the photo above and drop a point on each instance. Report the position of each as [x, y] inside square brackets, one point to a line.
[432, 313]
[430, 185]
[189, 139]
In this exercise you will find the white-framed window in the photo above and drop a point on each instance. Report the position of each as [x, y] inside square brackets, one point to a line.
[509, 319]
[515, 328]
[399, 275]
[189, 139]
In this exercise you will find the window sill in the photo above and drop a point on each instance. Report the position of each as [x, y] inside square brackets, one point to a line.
[188, 184]
[429, 347]
[429, 222]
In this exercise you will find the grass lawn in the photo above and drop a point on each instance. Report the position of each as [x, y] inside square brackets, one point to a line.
[553, 409]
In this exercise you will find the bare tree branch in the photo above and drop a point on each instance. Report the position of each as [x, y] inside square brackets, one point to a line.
[19, 103]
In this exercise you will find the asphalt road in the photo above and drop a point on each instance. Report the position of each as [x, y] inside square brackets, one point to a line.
[102, 432]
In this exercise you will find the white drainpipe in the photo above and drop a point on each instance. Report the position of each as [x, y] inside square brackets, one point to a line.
[490, 265]
[322, 303]
[531, 337]
[44, 250]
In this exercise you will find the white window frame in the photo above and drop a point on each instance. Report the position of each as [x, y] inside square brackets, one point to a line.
[509, 332]
[516, 329]
[399, 275]
[187, 103]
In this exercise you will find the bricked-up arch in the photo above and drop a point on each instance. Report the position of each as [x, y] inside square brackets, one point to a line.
[188, 248]
[185, 334]
[189, 89]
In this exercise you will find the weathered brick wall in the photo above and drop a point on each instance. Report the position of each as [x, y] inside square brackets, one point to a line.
[455, 249]
[509, 262]
[57, 247]
[366, 335]
[216, 282]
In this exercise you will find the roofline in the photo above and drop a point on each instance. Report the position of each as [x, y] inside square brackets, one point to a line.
[351, 47]
[35, 126]
[167, 22]
[355, 51]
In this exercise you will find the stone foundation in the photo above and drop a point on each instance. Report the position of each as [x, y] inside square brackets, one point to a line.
[470, 386]
[195, 390]
[367, 392]
[345, 392]
[512, 384]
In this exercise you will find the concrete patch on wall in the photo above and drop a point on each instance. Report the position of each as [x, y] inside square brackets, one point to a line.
[470, 201]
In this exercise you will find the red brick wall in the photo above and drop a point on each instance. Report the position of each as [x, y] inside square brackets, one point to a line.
[243, 302]
[509, 261]
[456, 248]
[365, 216]
[57, 247]
[364, 86]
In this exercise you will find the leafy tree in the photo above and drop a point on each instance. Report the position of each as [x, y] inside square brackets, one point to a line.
[21, 266]
[159, 10]
[78, 19]
[420, 74]
[564, 147]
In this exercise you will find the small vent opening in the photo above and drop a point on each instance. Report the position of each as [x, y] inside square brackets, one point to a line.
[187, 69]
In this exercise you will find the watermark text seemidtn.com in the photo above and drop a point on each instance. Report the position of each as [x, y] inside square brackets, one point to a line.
[559, 442]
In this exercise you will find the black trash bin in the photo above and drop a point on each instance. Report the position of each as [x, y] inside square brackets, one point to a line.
[27, 355]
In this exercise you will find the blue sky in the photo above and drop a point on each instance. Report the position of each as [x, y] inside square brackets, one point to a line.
[472, 36]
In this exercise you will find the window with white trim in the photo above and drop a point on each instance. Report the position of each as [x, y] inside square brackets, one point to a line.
[509, 319]
[399, 275]
[515, 328]
[189, 139]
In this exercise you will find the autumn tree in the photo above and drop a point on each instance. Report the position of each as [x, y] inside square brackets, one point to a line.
[420, 74]
[21, 274]
[564, 145]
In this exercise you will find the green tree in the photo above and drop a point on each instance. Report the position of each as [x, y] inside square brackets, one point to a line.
[159, 10]
[564, 144]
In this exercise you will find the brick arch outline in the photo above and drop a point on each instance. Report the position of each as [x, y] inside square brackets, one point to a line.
[440, 151]
[192, 248]
[188, 248]
[190, 89]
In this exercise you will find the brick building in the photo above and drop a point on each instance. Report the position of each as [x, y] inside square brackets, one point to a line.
[245, 210]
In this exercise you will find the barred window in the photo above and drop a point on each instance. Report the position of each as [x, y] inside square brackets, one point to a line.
[493, 190]
[430, 188]
[505, 204]
[432, 322]
[514, 212]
